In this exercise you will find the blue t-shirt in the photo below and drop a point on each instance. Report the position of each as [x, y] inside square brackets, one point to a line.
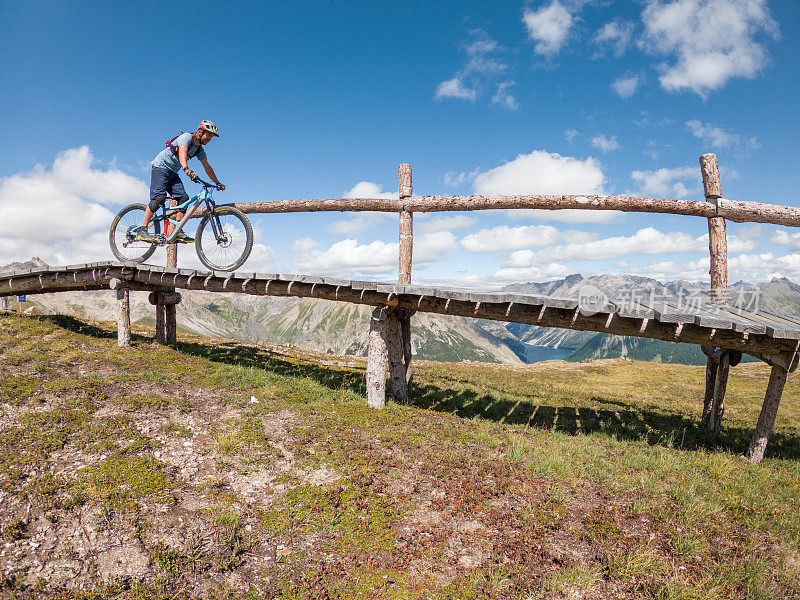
[166, 159]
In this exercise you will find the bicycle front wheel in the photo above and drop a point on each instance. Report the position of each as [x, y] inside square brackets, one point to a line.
[229, 247]
[123, 239]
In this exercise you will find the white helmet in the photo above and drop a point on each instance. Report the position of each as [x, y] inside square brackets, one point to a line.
[209, 126]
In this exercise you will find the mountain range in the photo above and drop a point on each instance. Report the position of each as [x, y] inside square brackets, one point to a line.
[341, 328]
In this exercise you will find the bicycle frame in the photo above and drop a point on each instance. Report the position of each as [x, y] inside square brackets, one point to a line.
[205, 195]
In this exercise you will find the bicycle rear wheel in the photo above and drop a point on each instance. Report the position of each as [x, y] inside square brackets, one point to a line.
[228, 251]
[122, 239]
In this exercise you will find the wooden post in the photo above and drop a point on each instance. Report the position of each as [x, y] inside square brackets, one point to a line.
[394, 351]
[717, 409]
[161, 317]
[711, 378]
[769, 410]
[405, 336]
[123, 313]
[376, 360]
[406, 254]
[717, 242]
[172, 249]
[165, 303]
[170, 311]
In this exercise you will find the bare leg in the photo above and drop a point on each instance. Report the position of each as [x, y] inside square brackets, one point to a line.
[148, 214]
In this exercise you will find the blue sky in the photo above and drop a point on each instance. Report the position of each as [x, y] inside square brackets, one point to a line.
[325, 99]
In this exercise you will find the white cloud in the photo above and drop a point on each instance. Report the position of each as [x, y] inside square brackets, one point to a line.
[455, 88]
[548, 27]
[542, 172]
[537, 273]
[719, 137]
[348, 256]
[62, 214]
[783, 237]
[626, 86]
[645, 241]
[446, 223]
[526, 236]
[616, 35]
[663, 182]
[571, 134]
[482, 67]
[564, 216]
[362, 221]
[504, 98]
[605, 144]
[711, 41]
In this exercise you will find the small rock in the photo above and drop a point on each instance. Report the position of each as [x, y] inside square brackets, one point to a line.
[254, 400]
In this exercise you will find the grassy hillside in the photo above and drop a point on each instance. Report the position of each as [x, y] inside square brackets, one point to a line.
[222, 470]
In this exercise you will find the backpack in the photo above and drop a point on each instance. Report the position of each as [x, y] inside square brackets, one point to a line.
[174, 149]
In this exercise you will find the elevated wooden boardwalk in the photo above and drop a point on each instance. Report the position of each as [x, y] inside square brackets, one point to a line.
[767, 336]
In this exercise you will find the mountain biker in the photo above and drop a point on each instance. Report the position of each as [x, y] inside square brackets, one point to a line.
[164, 178]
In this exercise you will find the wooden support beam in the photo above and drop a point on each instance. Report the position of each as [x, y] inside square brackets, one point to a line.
[717, 240]
[377, 360]
[394, 351]
[405, 332]
[717, 409]
[171, 325]
[405, 183]
[161, 321]
[123, 313]
[766, 420]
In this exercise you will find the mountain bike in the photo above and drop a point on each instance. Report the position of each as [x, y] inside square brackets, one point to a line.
[223, 240]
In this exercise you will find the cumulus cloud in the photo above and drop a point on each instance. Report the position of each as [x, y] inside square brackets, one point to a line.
[482, 67]
[548, 27]
[503, 97]
[62, 213]
[647, 241]
[455, 88]
[709, 41]
[605, 144]
[615, 35]
[626, 86]
[348, 257]
[527, 236]
[719, 137]
[362, 221]
[537, 273]
[446, 223]
[542, 172]
[564, 216]
[665, 182]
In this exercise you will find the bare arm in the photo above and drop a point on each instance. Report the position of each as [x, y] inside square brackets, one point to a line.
[183, 158]
[211, 174]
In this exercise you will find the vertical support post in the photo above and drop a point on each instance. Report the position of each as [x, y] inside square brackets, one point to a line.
[4, 302]
[769, 410]
[172, 322]
[160, 320]
[711, 379]
[170, 310]
[717, 242]
[406, 253]
[376, 360]
[720, 384]
[123, 313]
[172, 249]
[405, 336]
[394, 351]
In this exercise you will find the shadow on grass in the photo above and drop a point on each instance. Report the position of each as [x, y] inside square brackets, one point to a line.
[625, 421]
[628, 422]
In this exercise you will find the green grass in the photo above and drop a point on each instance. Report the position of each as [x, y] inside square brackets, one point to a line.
[492, 482]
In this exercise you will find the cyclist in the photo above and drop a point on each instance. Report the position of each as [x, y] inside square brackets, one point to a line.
[164, 178]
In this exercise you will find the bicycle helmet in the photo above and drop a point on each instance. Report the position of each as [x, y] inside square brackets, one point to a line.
[209, 126]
